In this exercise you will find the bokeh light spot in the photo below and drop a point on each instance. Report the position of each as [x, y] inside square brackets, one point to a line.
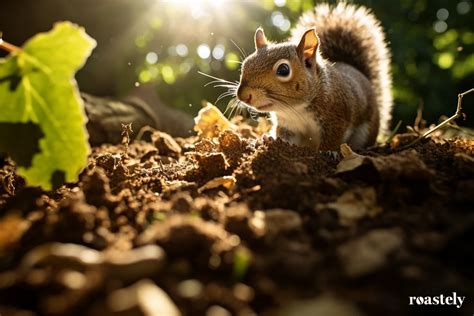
[232, 61]
[203, 51]
[279, 3]
[168, 74]
[463, 7]
[182, 50]
[218, 52]
[277, 18]
[445, 60]
[440, 26]
[442, 14]
[151, 58]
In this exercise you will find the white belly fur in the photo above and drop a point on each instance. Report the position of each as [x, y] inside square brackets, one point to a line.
[300, 121]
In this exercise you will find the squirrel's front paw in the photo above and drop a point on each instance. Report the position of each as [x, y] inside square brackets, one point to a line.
[334, 155]
[267, 139]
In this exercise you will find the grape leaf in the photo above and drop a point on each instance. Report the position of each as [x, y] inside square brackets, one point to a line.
[40, 99]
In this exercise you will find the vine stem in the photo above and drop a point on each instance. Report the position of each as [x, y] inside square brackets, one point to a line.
[445, 122]
[9, 47]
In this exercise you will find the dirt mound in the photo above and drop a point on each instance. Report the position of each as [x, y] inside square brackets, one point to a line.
[233, 225]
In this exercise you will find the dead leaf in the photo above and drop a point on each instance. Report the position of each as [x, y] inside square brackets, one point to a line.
[210, 122]
[351, 160]
[354, 205]
[227, 182]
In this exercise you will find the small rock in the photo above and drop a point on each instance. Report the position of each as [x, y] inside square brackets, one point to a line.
[354, 205]
[135, 264]
[370, 252]
[190, 288]
[216, 310]
[281, 221]
[13, 311]
[142, 298]
[322, 305]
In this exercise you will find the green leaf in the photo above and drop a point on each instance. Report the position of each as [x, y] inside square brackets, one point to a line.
[38, 93]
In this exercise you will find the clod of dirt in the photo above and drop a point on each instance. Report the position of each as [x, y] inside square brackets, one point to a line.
[233, 224]
[74, 221]
[135, 264]
[322, 305]
[12, 311]
[126, 266]
[12, 227]
[370, 252]
[241, 221]
[189, 237]
[279, 222]
[165, 144]
[406, 165]
[232, 146]
[114, 168]
[209, 166]
[96, 187]
[354, 205]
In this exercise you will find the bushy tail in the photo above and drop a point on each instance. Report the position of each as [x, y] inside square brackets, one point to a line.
[353, 35]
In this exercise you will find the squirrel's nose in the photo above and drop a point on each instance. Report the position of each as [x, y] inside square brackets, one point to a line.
[249, 99]
[243, 94]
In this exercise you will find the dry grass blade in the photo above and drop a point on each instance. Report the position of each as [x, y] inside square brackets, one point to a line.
[394, 132]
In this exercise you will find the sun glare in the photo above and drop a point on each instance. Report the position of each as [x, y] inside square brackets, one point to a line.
[200, 8]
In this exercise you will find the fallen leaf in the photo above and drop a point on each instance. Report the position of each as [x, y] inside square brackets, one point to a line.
[350, 161]
[210, 122]
[227, 182]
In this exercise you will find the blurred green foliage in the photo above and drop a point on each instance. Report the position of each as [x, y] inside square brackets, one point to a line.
[432, 43]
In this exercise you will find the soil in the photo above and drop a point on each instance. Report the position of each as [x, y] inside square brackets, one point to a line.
[237, 225]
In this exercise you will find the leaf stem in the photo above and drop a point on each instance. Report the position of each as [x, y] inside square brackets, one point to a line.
[9, 47]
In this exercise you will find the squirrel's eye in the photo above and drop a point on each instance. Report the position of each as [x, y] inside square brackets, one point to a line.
[283, 70]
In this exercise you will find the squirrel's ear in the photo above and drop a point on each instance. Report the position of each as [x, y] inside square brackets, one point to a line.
[308, 45]
[260, 39]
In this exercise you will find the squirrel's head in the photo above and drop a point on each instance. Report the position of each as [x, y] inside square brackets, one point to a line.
[276, 76]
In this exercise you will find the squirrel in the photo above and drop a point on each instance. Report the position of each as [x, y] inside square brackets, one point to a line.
[329, 84]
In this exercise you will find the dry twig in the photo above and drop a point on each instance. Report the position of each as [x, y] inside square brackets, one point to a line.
[444, 123]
